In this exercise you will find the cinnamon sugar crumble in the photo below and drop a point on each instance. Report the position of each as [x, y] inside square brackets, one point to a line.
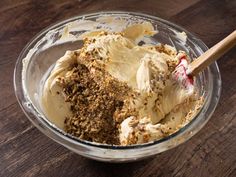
[97, 104]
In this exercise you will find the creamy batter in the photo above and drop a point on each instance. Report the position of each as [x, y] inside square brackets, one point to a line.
[161, 103]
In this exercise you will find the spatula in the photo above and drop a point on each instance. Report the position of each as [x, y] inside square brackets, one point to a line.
[184, 71]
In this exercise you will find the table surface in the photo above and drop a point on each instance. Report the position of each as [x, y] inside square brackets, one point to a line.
[24, 151]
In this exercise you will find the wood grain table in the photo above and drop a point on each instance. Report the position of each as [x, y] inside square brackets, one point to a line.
[24, 151]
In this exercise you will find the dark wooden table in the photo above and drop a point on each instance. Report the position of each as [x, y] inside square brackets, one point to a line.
[24, 151]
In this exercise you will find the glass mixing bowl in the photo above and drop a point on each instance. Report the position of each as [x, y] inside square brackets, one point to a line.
[41, 53]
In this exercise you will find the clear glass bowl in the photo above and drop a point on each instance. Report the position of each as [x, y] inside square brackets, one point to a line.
[44, 49]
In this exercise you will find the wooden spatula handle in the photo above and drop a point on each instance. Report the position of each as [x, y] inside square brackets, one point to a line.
[212, 54]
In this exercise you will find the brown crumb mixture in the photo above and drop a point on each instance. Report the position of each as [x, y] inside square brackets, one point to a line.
[97, 104]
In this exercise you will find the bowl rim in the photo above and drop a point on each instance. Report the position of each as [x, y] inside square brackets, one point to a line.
[44, 123]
